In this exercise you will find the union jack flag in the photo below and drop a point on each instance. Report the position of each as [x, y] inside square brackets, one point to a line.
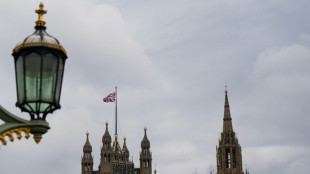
[110, 97]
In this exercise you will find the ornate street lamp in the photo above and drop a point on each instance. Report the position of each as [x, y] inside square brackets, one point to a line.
[39, 66]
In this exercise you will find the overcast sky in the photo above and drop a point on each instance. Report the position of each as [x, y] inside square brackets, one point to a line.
[171, 60]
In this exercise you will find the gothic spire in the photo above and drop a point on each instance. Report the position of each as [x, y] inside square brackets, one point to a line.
[106, 135]
[145, 141]
[87, 146]
[87, 159]
[228, 152]
[125, 149]
[227, 125]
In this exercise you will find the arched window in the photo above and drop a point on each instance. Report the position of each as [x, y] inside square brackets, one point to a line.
[88, 168]
[145, 151]
[228, 158]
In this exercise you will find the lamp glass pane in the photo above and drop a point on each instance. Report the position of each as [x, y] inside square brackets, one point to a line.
[20, 79]
[27, 107]
[32, 76]
[59, 79]
[45, 107]
[49, 74]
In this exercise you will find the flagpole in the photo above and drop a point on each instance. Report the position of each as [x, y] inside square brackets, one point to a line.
[115, 110]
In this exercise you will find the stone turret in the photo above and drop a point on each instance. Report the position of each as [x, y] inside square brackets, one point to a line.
[125, 150]
[145, 155]
[106, 152]
[87, 158]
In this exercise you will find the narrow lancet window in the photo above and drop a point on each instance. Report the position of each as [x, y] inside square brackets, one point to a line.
[228, 158]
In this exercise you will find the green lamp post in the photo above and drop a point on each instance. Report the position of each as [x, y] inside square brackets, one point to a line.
[39, 66]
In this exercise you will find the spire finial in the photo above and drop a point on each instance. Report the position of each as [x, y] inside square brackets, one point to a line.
[227, 125]
[125, 138]
[145, 129]
[106, 125]
[87, 133]
[40, 22]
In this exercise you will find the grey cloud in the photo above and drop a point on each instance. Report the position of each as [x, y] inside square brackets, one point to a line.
[171, 61]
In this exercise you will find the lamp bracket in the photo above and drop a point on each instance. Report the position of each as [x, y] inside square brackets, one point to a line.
[14, 124]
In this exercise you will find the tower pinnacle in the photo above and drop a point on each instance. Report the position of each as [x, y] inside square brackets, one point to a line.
[87, 159]
[227, 125]
[228, 152]
[87, 145]
[145, 155]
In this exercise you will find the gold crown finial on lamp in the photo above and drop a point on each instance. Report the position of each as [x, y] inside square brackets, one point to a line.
[40, 22]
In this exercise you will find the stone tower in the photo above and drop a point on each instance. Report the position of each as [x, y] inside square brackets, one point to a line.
[125, 150]
[229, 157]
[114, 158]
[106, 153]
[145, 155]
[87, 159]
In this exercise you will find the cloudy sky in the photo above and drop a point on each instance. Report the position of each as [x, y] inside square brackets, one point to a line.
[171, 60]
